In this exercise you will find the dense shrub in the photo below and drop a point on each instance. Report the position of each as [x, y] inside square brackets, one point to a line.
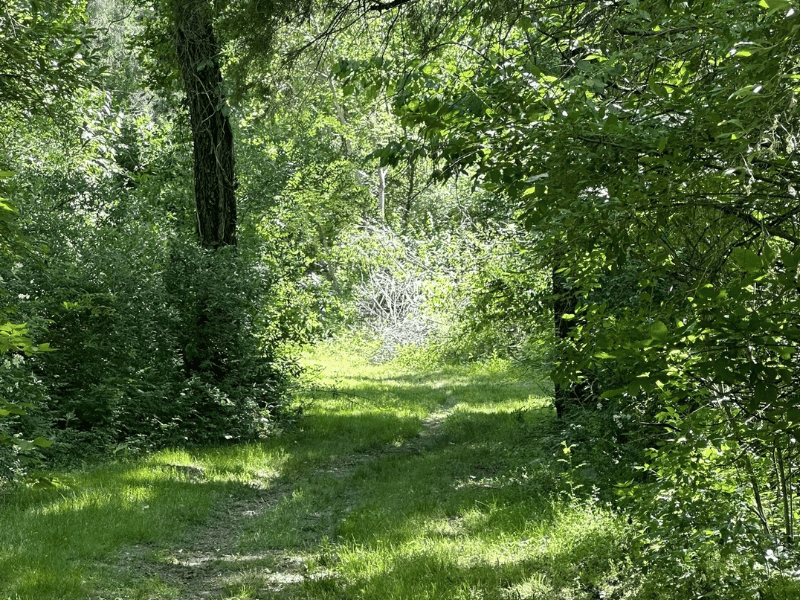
[155, 340]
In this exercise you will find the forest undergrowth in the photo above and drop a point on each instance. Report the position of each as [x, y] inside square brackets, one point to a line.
[396, 481]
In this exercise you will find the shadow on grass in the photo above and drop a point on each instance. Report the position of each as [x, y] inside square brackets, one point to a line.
[457, 507]
[56, 542]
[480, 509]
[580, 570]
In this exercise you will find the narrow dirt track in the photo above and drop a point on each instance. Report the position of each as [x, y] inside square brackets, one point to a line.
[206, 561]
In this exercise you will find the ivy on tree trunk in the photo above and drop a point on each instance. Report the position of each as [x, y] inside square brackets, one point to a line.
[214, 187]
[207, 349]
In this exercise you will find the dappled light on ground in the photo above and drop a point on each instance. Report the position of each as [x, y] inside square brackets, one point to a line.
[392, 484]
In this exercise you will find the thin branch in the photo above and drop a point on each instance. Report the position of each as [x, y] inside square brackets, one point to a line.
[384, 6]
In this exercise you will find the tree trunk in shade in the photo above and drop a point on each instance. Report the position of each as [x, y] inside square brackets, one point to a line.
[214, 181]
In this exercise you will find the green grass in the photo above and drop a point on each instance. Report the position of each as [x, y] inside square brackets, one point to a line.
[359, 505]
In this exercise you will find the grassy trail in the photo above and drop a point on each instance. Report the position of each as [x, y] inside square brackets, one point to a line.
[395, 484]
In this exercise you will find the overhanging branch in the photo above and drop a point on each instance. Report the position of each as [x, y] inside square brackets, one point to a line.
[384, 6]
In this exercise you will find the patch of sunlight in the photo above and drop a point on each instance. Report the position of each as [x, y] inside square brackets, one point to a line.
[538, 585]
[469, 541]
[171, 457]
[198, 560]
[145, 473]
[255, 463]
[444, 528]
[127, 497]
[507, 406]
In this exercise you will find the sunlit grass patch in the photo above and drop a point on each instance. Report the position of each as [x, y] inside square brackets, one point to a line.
[394, 483]
[475, 512]
[58, 535]
[571, 552]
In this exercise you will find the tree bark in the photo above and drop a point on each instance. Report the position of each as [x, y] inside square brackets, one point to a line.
[214, 182]
[209, 339]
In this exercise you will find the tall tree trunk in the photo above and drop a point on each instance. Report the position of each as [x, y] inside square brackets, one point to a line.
[214, 187]
[209, 337]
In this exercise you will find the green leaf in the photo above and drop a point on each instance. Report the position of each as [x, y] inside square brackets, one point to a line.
[775, 5]
[7, 206]
[707, 292]
[658, 330]
[793, 414]
[613, 393]
[765, 393]
[747, 259]
[42, 442]
[790, 259]
[659, 90]
[611, 123]
[746, 92]
[725, 371]
[648, 384]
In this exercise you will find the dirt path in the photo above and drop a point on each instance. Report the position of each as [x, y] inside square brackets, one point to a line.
[206, 562]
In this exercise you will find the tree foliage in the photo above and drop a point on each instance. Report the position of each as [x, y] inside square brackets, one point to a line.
[44, 53]
[650, 148]
[615, 181]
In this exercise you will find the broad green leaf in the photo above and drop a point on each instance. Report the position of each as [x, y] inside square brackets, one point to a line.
[707, 292]
[746, 92]
[611, 123]
[612, 393]
[658, 330]
[765, 393]
[747, 259]
[648, 384]
[659, 90]
[7, 206]
[725, 371]
[790, 259]
[775, 5]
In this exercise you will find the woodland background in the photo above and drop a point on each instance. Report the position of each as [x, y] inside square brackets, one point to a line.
[606, 191]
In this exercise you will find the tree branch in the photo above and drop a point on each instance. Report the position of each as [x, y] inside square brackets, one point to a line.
[384, 6]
